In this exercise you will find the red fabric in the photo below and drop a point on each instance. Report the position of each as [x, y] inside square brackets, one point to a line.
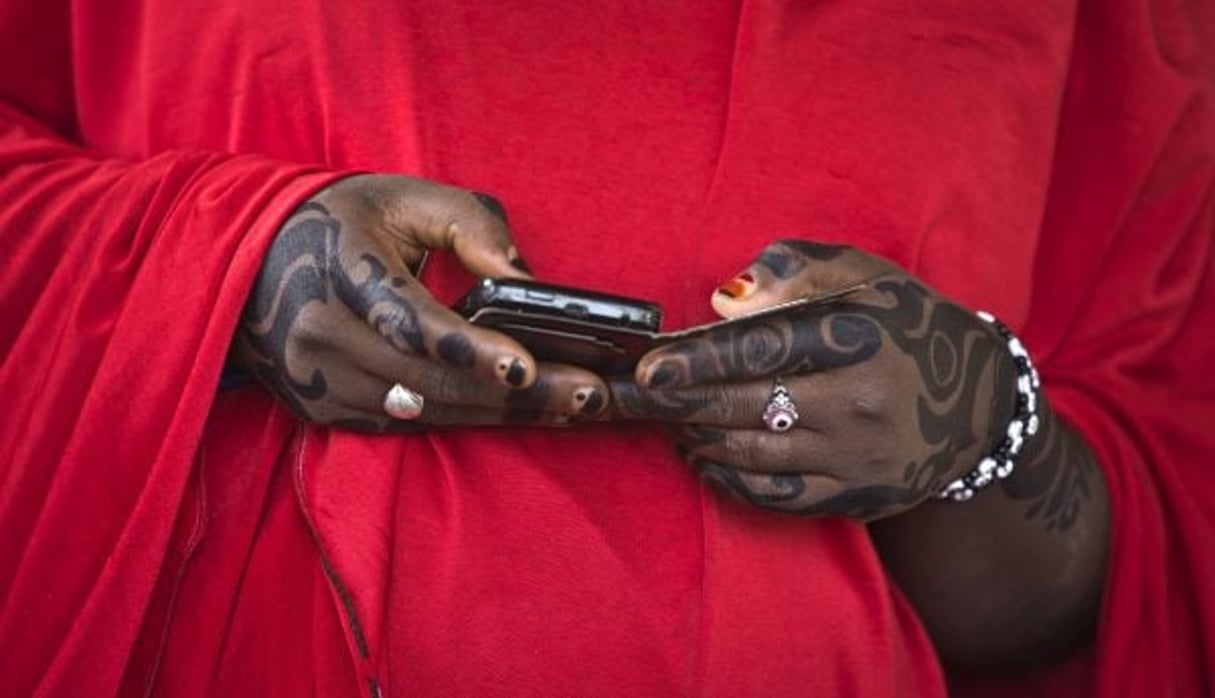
[1050, 163]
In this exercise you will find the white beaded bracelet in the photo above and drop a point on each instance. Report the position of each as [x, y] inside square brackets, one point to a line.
[1023, 424]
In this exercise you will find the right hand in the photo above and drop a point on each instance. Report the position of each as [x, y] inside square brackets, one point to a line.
[336, 318]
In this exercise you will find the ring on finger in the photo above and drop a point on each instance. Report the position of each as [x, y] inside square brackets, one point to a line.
[780, 414]
[403, 403]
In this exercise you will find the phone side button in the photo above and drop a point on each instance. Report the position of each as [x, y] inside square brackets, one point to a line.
[539, 295]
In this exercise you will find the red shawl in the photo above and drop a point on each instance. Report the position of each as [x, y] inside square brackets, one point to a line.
[1048, 162]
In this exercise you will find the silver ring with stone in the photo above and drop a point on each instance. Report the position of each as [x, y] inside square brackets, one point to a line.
[780, 414]
[403, 403]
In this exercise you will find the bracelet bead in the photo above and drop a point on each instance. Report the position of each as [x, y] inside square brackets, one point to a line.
[1023, 425]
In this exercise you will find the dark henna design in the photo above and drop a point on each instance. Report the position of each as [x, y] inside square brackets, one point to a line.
[800, 341]
[384, 309]
[304, 267]
[663, 375]
[964, 376]
[864, 503]
[632, 401]
[782, 263]
[785, 263]
[783, 491]
[526, 405]
[1054, 475]
[457, 350]
[953, 352]
[293, 275]
[492, 205]
[815, 250]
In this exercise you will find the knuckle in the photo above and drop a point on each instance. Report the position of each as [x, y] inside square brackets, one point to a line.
[740, 451]
[308, 337]
[780, 453]
[438, 385]
[724, 403]
[871, 400]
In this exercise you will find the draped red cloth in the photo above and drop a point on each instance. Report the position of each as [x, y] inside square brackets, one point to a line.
[1049, 162]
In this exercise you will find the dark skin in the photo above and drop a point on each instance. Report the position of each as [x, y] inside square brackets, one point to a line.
[900, 390]
[336, 317]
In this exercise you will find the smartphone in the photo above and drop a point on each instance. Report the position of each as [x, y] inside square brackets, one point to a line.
[605, 333]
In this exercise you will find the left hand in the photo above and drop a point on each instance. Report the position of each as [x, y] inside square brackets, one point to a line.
[899, 390]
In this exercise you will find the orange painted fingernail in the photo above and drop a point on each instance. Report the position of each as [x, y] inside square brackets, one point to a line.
[739, 287]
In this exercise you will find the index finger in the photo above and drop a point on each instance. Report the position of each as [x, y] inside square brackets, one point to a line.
[400, 309]
[799, 340]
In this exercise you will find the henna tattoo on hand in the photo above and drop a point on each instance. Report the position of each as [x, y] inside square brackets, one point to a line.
[294, 274]
[967, 395]
[375, 299]
[964, 379]
[799, 341]
[1054, 475]
[785, 263]
[457, 350]
[304, 268]
[953, 353]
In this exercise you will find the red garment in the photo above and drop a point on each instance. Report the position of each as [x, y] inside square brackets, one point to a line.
[1050, 163]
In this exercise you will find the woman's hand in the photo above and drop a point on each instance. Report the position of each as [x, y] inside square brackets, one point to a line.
[336, 318]
[898, 390]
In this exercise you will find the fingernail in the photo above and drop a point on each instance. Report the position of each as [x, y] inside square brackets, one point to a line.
[512, 370]
[588, 400]
[739, 287]
[660, 375]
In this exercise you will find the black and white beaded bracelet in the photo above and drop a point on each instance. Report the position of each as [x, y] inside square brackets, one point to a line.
[1021, 427]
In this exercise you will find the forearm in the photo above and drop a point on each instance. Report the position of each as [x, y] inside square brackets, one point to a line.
[1015, 575]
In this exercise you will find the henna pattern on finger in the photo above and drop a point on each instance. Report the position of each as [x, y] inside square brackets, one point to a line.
[456, 349]
[631, 401]
[782, 263]
[789, 257]
[390, 314]
[527, 405]
[782, 491]
[293, 275]
[304, 268]
[964, 379]
[788, 492]
[818, 251]
[803, 340]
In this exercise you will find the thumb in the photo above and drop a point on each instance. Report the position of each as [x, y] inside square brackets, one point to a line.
[421, 215]
[791, 269]
[482, 241]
